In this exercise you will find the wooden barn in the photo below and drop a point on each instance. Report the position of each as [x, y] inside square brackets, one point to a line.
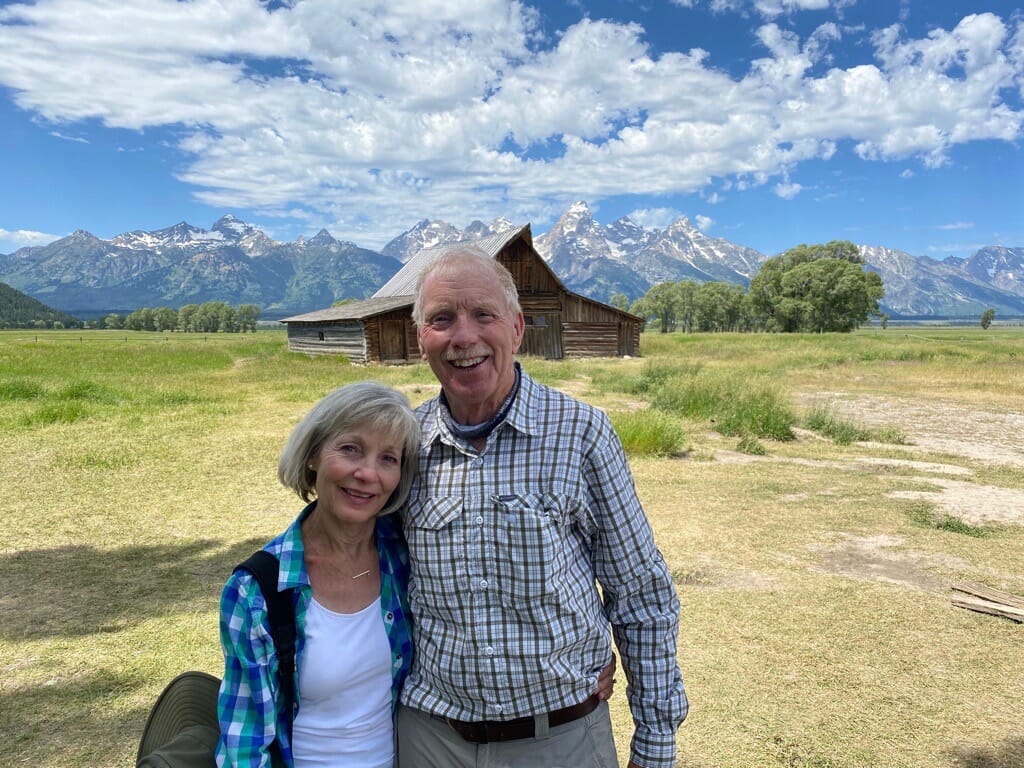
[559, 323]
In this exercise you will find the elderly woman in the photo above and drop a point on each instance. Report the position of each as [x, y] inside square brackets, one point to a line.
[352, 458]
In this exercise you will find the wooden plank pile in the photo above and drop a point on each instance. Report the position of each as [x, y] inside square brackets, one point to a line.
[983, 599]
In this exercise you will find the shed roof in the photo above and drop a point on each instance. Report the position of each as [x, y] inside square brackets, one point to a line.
[354, 310]
[403, 283]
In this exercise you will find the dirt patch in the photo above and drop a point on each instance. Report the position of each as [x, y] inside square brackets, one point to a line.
[935, 425]
[860, 464]
[876, 558]
[970, 502]
[975, 504]
[931, 426]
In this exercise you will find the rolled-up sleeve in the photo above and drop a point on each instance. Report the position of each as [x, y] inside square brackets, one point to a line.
[640, 601]
[245, 705]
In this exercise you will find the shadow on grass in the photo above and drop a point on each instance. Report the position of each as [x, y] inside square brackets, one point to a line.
[80, 590]
[68, 723]
[1008, 754]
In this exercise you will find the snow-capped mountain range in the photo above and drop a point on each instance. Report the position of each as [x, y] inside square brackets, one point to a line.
[236, 262]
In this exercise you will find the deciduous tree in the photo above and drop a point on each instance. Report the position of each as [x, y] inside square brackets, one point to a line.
[816, 288]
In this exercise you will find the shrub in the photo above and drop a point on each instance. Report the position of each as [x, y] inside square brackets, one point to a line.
[649, 433]
[734, 406]
[750, 444]
[825, 421]
[891, 435]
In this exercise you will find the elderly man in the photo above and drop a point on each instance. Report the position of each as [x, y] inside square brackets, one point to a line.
[524, 504]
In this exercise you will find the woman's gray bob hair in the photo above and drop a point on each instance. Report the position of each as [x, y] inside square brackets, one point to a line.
[363, 404]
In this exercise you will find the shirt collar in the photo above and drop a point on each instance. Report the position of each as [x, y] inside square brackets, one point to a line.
[520, 416]
[292, 554]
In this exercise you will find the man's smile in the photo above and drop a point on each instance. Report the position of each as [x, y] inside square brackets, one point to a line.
[467, 362]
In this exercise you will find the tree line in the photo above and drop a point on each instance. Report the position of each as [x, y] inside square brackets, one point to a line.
[20, 311]
[208, 317]
[808, 289]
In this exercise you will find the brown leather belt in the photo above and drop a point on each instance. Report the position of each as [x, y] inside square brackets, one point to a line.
[522, 727]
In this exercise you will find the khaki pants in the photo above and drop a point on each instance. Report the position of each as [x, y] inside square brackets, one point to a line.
[425, 741]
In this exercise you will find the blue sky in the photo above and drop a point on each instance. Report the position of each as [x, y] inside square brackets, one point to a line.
[766, 122]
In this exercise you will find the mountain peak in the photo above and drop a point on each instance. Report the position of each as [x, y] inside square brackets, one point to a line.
[231, 226]
[576, 219]
[323, 237]
[682, 224]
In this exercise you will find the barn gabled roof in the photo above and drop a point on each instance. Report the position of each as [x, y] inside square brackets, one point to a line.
[404, 281]
[354, 310]
[398, 292]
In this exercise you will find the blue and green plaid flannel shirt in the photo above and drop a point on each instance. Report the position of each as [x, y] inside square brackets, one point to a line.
[250, 718]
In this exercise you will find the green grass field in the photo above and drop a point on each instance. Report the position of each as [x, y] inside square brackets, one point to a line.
[815, 497]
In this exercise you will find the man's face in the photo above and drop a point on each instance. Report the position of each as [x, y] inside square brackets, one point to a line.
[470, 339]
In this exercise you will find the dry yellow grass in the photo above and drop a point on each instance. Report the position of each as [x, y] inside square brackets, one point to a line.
[817, 628]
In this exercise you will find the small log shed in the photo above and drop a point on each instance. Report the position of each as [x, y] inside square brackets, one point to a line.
[559, 323]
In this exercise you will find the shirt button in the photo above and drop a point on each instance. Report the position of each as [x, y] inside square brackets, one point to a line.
[489, 650]
[484, 584]
[498, 708]
[479, 520]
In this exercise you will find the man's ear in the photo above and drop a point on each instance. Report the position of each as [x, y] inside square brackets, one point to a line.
[419, 344]
[520, 328]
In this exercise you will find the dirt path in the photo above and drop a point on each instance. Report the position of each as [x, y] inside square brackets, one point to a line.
[941, 428]
[937, 426]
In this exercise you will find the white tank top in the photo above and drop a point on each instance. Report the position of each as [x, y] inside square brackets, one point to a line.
[344, 718]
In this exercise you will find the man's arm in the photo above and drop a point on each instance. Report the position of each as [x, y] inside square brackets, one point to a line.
[640, 601]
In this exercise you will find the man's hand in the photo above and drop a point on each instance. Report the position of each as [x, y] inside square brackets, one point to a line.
[606, 681]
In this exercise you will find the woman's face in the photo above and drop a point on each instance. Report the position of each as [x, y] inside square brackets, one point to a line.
[356, 473]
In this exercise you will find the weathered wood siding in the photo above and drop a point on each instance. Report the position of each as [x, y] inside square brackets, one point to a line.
[629, 338]
[591, 339]
[344, 337]
[543, 315]
[593, 330]
[387, 337]
[531, 274]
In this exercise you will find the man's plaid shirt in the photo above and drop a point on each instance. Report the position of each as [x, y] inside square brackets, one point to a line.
[505, 547]
[251, 716]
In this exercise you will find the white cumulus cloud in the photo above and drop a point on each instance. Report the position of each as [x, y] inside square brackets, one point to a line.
[19, 238]
[654, 218]
[369, 115]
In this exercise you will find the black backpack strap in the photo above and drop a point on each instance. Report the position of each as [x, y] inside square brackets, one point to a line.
[281, 612]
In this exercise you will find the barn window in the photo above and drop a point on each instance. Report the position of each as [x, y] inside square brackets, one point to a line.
[320, 335]
[536, 321]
